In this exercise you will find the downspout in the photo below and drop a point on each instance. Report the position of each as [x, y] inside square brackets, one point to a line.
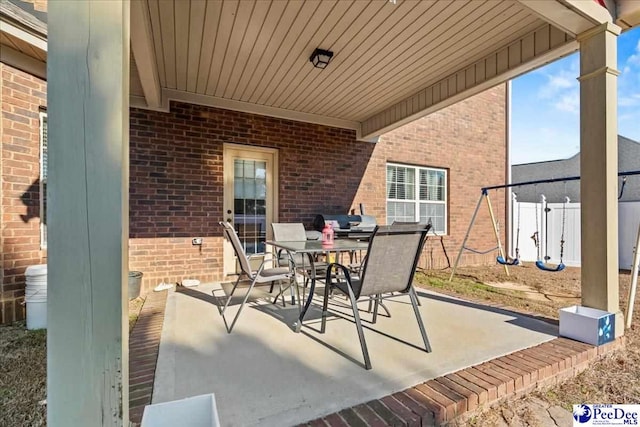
[507, 194]
[2, 66]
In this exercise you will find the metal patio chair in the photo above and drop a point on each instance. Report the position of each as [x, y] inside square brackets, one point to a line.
[295, 232]
[259, 276]
[289, 232]
[355, 268]
[388, 268]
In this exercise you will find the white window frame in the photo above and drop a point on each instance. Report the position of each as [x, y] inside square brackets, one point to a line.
[416, 198]
[43, 226]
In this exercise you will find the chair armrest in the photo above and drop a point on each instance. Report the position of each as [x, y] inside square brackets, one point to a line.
[267, 256]
[345, 270]
[267, 259]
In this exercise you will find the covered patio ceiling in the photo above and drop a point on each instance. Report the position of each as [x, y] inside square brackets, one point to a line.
[393, 62]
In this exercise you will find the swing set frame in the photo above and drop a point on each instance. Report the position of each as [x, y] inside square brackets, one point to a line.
[484, 194]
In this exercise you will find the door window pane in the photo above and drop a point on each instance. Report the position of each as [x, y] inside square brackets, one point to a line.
[250, 194]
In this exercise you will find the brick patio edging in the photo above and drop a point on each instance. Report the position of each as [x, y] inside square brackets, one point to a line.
[439, 401]
[144, 342]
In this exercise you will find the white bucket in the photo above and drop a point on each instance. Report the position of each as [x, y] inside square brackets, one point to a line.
[196, 411]
[35, 296]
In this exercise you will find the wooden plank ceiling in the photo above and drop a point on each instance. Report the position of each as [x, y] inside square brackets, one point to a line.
[257, 51]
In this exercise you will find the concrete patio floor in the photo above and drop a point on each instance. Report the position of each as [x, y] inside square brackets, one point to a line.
[265, 374]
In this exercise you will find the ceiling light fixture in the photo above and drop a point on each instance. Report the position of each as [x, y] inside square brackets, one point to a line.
[320, 58]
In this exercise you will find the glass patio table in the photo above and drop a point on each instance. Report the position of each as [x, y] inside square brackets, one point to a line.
[314, 247]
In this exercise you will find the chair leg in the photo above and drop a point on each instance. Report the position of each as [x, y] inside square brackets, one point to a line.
[375, 308]
[293, 298]
[423, 332]
[363, 343]
[226, 304]
[280, 293]
[325, 302]
[284, 302]
[295, 283]
[413, 290]
[235, 319]
[384, 307]
[304, 288]
[325, 307]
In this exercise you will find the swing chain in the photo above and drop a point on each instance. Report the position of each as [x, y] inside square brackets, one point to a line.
[536, 235]
[564, 220]
[517, 251]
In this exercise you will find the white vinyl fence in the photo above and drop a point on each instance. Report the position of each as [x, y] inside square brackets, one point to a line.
[550, 229]
[628, 221]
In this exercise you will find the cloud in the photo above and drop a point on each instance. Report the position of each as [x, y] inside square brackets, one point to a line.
[632, 100]
[627, 117]
[634, 59]
[546, 105]
[557, 83]
[629, 87]
[560, 87]
[631, 67]
[569, 102]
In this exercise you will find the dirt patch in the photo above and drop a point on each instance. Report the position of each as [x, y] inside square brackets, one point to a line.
[535, 294]
[566, 282]
[613, 379]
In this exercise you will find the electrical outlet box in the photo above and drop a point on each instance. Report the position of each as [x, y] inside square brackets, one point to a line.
[196, 241]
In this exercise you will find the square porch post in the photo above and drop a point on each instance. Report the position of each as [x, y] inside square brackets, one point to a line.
[599, 169]
[87, 210]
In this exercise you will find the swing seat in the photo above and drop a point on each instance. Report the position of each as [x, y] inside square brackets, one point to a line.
[508, 261]
[542, 266]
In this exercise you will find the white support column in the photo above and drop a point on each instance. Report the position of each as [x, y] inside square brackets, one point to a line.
[88, 100]
[599, 169]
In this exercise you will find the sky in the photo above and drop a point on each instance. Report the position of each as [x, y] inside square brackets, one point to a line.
[545, 108]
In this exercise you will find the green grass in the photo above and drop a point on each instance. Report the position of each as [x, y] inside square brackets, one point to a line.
[461, 285]
[478, 291]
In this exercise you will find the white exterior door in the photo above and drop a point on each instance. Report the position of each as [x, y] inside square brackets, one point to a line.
[250, 194]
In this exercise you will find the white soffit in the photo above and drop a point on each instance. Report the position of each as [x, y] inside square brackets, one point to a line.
[254, 52]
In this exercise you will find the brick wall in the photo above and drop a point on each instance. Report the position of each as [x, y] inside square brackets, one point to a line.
[176, 190]
[22, 97]
[468, 140]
